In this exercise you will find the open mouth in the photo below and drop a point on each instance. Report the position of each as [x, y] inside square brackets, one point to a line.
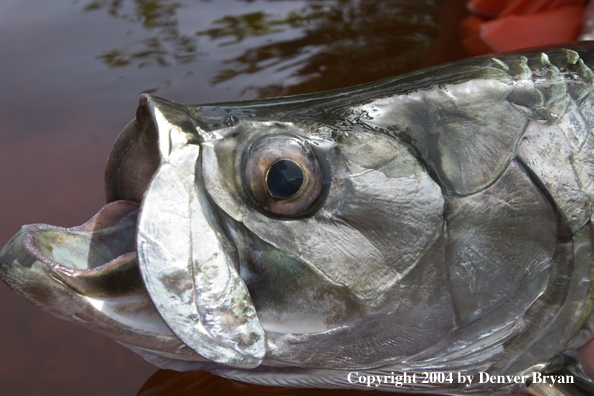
[89, 275]
[153, 275]
[96, 259]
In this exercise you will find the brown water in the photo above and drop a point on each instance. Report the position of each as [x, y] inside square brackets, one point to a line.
[70, 76]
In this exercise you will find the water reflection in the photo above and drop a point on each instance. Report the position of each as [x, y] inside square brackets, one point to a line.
[342, 43]
[167, 45]
[315, 46]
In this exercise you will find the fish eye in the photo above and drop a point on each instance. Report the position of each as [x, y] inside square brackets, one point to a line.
[283, 175]
[284, 178]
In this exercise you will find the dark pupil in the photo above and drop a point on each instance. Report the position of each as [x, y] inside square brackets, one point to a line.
[284, 178]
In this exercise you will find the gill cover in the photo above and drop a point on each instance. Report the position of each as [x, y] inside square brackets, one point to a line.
[184, 258]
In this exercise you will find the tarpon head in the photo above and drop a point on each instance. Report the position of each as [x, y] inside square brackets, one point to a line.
[411, 224]
[227, 231]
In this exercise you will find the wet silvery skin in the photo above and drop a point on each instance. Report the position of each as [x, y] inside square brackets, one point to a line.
[435, 222]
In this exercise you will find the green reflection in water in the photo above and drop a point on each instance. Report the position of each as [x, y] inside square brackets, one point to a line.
[260, 23]
[322, 45]
[164, 47]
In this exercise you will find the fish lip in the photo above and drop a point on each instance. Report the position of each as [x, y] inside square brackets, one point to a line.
[30, 246]
[30, 243]
[100, 280]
